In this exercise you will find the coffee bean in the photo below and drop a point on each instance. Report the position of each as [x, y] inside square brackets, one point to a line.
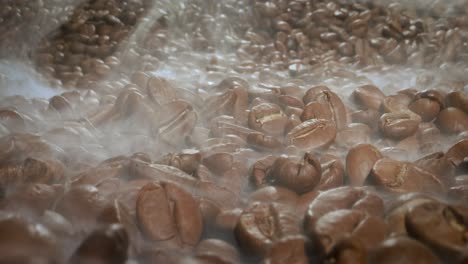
[347, 250]
[359, 163]
[342, 198]
[287, 250]
[106, 245]
[458, 100]
[442, 227]
[368, 97]
[166, 212]
[400, 250]
[402, 177]
[300, 176]
[398, 125]
[332, 173]
[262, 225]
[268, 118]
[312, 134]
[335, 225]
[452, 120]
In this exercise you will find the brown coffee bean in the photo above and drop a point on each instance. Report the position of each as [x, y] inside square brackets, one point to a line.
[291, 249]
[262, 142]
[398, 208]
[268, 118]
[398, 125]
[217, 249]
[187, 161]
[368, 97]
[452, 120]
[402, 250]
[20, 238]
[300, 176]
[359, 163]
[332, 173]
[331, 105]
[218, 163]
[262, 225]
[312, 134]
[81, 205]
[342, 198]
[437, 164]
[426, 108]
[274, 194]
[166, 212]
[458, 153]
[457, 99]
[43, 171]
[105, 245]
[442, 227]
[402, 177]
[347, 250]
[259, 170]
[336, 225]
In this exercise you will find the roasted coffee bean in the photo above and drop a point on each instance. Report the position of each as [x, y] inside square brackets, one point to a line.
[426, 108]
[268, 118]
[442, 227]
[166, 212]
[262, 225]
[342, 198]
[437, 164]
[332, 173]
[368, 97]
[300, 176]
[21, 239]
[262, 142]
[458, 100]
[187, 161]
[398, 208]
[81, 205]
[275, 194]
[398, 125]
[347, 250]
[291, 249]
[218, 163]
[106, 245]
[336, 225]
[218, 250]
[452, 120]
[402, 177]
[312, 134]
[359, 163]
[402, 250]
[331, 103]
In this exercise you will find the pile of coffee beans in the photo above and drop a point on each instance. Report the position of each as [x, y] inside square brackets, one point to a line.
[265, 139]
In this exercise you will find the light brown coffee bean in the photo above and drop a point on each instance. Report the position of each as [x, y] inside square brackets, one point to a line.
[368, 97]
[312, 134]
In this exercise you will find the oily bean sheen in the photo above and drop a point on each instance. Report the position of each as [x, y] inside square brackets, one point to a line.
[166, 212]
[312, 134]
